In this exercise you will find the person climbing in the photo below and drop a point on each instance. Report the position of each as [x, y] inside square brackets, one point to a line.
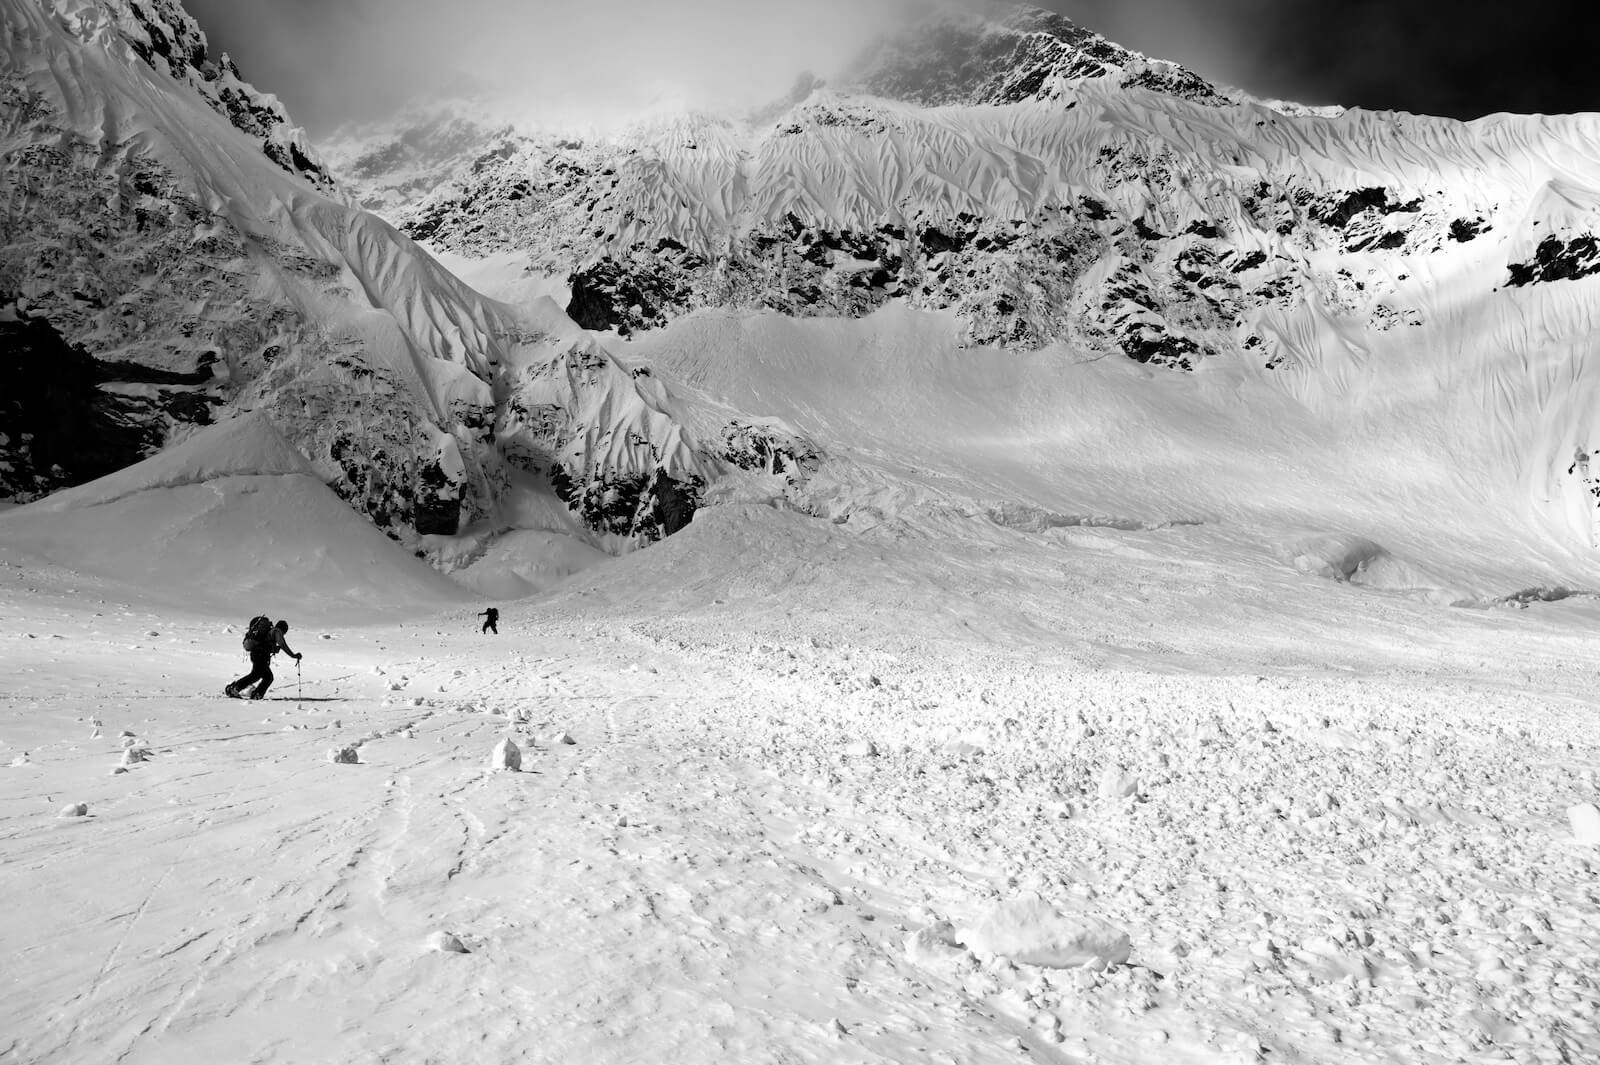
[262, 640]
[491, 620]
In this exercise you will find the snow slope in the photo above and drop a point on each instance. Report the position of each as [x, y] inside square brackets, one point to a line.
[831, 795]
[232, 516]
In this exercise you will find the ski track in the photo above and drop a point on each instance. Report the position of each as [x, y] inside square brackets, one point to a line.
[717, 870]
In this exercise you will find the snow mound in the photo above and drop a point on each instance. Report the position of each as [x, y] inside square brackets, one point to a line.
[1030, 931]
[525, 562]
[1352, 559]
[1585, 820]
[232, 515]
[246, 446]
[1336, 556]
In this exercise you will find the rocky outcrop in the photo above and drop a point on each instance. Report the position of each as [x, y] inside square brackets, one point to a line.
[1558, 259]
[58, 425]
[1010, 56]
[168, 40]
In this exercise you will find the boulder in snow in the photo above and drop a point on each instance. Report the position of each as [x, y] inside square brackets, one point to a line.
[1585, 820]
[506, 755]
[1031, 931]
[344, 755]
[75, 809]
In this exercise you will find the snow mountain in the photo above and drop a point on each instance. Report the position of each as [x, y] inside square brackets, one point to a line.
[1050, 190]
[599, 336]
[175, 253]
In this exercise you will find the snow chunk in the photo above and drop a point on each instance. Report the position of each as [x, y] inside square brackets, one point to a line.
[861, 749]
[1115, 783]
[934, 944]
[506, 755]
[75, 809]
[1585, 819]
[560, 737]
[1029, 930]
[447, 943]
[344, 756]
[135, 755]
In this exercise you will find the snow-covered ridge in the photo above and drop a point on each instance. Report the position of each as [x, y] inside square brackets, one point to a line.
[1350, 260]
[167, 39]
[1008, 53]
[146, 225]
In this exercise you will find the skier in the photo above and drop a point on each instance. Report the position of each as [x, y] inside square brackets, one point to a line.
[491, 620]
[262, 642]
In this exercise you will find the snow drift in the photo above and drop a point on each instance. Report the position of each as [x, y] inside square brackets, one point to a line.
[233, 518]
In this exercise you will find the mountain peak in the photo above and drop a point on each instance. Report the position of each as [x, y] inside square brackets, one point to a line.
[166, 38]
[1010, 53]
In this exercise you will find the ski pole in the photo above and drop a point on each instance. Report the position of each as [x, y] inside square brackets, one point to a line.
[297, 680]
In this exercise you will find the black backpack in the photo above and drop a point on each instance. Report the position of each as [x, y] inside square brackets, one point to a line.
[258, 634]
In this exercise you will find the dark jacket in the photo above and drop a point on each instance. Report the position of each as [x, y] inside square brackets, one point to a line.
[280, 644]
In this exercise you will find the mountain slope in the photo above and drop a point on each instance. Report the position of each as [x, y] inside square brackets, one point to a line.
[1424, 281]
[184, 240]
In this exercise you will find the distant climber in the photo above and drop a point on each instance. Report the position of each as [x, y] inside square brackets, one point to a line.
[491, 620]
[262, 640]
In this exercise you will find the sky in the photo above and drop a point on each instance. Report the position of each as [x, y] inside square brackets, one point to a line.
[337, 60]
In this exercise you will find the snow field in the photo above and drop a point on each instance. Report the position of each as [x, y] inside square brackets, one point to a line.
[1354, 863]
[756, 828]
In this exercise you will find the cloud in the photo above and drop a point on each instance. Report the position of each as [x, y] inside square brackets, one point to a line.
[597, 61]
[336, 60]
[1464, 59]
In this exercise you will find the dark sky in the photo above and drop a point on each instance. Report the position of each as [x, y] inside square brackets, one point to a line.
[332, 60]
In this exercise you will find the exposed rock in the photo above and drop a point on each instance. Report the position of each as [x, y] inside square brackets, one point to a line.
[768, 449]
[1028, 54]
[167, 39]
[344, 755]
[1559, 260]
[58, 428]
